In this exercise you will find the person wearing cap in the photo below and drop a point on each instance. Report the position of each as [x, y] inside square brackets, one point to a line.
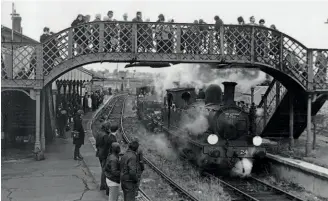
[112, 172]
[129, 177]
[138, 17]
[78, 139]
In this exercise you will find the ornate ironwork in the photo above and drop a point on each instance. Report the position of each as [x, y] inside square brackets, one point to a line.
[165, 42]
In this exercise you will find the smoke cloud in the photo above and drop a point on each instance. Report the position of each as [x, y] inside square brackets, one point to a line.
[195, 120]
[160, 143]
[242, 168]
[200, 76]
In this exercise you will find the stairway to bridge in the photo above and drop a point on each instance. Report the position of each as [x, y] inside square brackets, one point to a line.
[276, 103]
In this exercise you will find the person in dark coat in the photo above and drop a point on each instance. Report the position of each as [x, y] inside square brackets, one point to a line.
[140, 167]
[129, 173]
[85, 102]
[112, 172]
[103, 144]
[94, 101]
[78, 139]
[47, 56]
[61, 121]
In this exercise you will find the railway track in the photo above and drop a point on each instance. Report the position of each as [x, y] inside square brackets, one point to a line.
[254, 189]
[183, 192]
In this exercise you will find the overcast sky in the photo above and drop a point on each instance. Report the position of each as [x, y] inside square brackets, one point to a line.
[302, 20]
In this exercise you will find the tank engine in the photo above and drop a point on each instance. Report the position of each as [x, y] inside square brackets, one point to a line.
[212, 132]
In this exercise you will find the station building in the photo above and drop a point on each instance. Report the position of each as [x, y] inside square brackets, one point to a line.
[18, 106]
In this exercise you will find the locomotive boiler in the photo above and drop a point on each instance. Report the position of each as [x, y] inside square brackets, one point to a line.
[213, 132]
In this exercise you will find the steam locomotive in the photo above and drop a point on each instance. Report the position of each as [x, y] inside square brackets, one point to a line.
[208, 129]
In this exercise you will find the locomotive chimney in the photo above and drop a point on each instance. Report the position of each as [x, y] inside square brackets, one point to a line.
[229, 93]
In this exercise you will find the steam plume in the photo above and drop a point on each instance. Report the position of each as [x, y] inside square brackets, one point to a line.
[242, 168]
[200, 76]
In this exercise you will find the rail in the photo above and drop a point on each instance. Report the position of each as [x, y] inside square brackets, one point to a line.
[254, 189]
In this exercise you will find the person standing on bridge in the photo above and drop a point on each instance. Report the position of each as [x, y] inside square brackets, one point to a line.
[129, 173]
[217, 26]
[112, 172]
[141, 32]
[79, 34]
[78, 135]
[125, 35]
[241, 48]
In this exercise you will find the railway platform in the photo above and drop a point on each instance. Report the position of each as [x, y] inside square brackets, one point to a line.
[313, 178]
[57, 178]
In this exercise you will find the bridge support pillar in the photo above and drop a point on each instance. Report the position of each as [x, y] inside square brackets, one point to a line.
[309, 136]
[43, 120]
[39, 155]
[291, 121]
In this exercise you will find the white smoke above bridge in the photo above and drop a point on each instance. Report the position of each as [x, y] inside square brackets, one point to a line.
[200, 76]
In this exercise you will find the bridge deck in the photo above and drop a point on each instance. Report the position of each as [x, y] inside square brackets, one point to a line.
[36, 65]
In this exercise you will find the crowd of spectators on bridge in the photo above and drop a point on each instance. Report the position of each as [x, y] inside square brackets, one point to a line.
[162, 37]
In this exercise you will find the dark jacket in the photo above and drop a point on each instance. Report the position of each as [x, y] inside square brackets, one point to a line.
[140, 162]
[78, 31]
[104, 145]
[112, 168]
[128, 166]
[218, 24]
[78, 127]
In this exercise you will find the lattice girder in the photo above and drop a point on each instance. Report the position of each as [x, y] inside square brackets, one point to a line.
[171, 42]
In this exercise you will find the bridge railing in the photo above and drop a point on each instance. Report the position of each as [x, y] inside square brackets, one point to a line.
[21, 61]
[177, 42]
